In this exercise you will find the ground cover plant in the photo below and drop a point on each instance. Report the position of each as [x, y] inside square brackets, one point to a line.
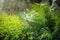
[39, 23]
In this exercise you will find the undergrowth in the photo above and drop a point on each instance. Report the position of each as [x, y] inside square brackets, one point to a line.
[39, 23]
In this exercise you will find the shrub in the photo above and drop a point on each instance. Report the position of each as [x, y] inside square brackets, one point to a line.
[10, 26]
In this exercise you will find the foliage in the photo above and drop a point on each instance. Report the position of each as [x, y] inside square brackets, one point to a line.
[36, 18]
[38, 23]
[10, 25]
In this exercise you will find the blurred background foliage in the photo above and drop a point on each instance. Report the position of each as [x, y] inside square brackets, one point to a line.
[30, 20]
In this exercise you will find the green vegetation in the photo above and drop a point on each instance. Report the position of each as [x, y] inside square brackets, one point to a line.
[10, 26]
[39, 23]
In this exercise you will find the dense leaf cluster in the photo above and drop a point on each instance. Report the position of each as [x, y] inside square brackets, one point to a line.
[39, 23]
